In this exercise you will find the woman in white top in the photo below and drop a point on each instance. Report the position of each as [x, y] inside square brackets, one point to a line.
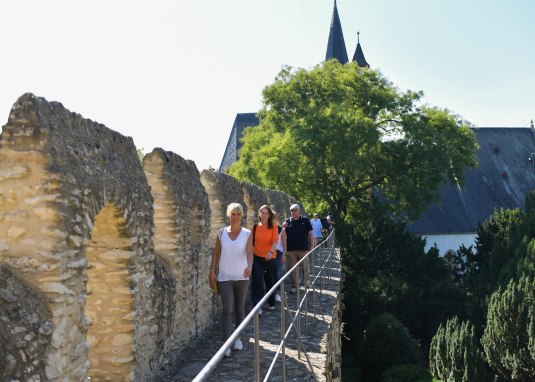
[234, 250]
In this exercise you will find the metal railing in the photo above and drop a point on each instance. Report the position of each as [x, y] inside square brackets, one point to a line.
[319, 271]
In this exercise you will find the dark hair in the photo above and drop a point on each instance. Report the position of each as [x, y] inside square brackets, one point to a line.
[271, 217]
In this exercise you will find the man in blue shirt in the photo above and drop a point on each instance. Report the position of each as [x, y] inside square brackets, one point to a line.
[316, 229]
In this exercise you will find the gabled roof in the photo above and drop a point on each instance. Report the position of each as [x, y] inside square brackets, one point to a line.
[358, 57]
[241, 121]
[506, 173]
[336, 46]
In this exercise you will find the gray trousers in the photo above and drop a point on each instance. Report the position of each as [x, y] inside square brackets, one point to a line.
[233, 295]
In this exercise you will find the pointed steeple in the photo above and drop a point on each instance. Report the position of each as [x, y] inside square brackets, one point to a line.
[336, 47]
[358, 57]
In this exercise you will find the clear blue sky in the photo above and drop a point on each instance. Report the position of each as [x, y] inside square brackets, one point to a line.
[173, 74]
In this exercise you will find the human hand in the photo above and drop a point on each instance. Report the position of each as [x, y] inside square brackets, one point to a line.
[212, 279]
[247, 271]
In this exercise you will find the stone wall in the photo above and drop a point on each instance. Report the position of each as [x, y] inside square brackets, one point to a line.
[103, 259]
[333, 362]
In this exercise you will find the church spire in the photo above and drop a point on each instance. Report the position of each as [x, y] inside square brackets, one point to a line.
[336, 47]
[358, 57]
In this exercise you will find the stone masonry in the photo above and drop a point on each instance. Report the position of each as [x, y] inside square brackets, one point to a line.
[103, 259]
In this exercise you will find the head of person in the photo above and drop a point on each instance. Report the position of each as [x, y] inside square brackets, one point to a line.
[234, 212]
[295, 210]
[315, 215]
[266, 215]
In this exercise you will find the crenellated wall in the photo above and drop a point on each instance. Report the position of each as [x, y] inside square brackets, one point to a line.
[103, 259]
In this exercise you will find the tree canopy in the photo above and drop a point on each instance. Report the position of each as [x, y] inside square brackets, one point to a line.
[333, 134]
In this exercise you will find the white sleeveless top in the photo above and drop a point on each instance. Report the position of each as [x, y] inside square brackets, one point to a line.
[233, 260]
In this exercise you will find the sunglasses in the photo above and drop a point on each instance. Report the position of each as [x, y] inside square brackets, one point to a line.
[295, 209]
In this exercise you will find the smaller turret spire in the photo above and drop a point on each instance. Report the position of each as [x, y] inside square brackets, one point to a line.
[358, 57]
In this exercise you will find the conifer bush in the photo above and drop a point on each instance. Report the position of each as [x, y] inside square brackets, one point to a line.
[509, 337]
[455, 355]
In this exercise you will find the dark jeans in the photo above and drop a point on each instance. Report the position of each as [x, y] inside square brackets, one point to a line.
[262, 279]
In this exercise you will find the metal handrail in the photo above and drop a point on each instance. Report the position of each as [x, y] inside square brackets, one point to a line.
[218, 356]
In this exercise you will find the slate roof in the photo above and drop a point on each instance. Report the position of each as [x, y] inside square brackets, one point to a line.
[241, 121]
[506, 173]
[336, 46]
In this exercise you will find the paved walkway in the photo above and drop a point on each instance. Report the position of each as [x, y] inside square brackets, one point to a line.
[240, 366]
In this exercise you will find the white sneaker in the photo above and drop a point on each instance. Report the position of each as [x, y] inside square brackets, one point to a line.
[278, 298]
[228, 352]
[238, 345]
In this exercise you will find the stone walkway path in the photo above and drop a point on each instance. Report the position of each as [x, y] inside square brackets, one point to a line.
[240, 366]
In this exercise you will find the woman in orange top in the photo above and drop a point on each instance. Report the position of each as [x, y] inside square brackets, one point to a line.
[265, 239]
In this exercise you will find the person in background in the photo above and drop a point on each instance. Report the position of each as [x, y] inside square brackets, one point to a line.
[265, 238]
[316, 229]
[281, 256]
[299, 241]
[230, 269]
[330, 221]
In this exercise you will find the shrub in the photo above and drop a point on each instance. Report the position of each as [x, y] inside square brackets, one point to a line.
[454, 355]
[387, 343]
[406, 373]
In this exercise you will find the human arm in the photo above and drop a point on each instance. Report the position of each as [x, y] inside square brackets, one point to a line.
[274, 242]
[310, 240]
[249, 253]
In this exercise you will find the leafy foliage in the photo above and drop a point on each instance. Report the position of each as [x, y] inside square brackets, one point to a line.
[332, 134]
[455, 355]
[509, 337]
[387, 270]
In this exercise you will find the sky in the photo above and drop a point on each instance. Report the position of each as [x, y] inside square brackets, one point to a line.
[173, 74]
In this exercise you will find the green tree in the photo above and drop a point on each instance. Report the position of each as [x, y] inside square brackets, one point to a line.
[455, 355]
[387, 270]
[509, 337]
[332, 134]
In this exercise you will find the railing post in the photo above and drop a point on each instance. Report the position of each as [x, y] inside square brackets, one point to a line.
[298, 322]
[283, 331]
[257, 346]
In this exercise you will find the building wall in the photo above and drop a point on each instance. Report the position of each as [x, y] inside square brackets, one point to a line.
[446, 242]
[103, 259]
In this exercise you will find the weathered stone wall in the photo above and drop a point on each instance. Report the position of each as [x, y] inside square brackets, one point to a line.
[182, 226]
[281, 203]
[254, 198]
[103, 261]
[58, 172]
[222, 190]
[333, 363]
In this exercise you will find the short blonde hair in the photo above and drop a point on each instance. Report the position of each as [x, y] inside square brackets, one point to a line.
[232, 207]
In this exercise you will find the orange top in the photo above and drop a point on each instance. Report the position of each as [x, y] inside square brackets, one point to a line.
[264, 238]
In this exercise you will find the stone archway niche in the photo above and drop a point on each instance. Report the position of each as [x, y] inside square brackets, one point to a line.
[110, 306]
